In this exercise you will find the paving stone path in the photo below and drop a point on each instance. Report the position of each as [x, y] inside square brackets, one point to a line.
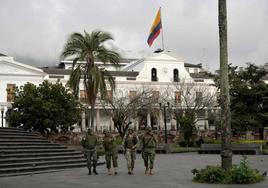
[171, 170]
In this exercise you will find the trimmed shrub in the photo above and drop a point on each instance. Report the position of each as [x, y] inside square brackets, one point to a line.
[213, 141]
[238, 174]
[210, 174]
[250, 142]
[186, 144]
[243, 174]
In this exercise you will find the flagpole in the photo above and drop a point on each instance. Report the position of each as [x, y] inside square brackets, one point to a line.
[162, 33]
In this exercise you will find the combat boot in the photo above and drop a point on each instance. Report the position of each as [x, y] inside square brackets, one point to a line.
[115, 171]
[146, 171]
[89, 171]
[109, 172]
[95, 171]
[151, 172]
[129, 171]
[94, 168]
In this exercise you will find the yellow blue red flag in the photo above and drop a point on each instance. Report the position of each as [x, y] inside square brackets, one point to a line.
[155, 29]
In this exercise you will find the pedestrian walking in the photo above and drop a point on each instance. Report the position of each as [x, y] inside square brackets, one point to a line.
[111, 152]
[130, 144]
[149, 143]
[89, 143]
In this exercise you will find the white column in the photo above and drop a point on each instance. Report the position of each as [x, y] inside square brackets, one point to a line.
[83, 126]
[206, 119]
[97, 119]
[136, 124]
[111, 124]
[148, 120]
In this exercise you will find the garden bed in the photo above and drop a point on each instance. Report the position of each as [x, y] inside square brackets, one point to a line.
[237, 174]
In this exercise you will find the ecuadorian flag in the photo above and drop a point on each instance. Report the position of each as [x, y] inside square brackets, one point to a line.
[155, 29]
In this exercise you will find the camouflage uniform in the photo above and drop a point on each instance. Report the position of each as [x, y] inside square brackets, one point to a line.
[149, 142]
[89, 142]
[111, 153]
[130, 143]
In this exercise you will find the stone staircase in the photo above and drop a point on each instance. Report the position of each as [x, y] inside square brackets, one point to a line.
[24, 153]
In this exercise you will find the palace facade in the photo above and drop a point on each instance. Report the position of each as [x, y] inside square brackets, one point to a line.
[180, 84]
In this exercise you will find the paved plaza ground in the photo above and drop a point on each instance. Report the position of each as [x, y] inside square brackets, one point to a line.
[171, 170]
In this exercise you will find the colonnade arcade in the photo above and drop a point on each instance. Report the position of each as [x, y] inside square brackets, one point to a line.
[154, 119]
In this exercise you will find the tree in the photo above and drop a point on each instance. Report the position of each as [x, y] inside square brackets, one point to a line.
[122, 108]
[248, 98]
[89, 48]
[192, 101]
[226, 134]
[44, 108]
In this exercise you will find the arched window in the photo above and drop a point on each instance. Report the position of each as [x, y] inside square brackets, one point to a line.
[176, 75]
[154, 74]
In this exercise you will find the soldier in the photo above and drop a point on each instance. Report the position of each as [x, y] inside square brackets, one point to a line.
[111, 153]
[130, 143]
[89, 143]
[149, 142]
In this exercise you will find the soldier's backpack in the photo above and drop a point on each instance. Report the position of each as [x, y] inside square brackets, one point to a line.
[149, 142]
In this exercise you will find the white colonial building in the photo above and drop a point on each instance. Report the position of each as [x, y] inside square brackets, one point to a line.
[14, 74]
[166, 75]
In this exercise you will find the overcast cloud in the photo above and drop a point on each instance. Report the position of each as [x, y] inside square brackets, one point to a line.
[34, 31]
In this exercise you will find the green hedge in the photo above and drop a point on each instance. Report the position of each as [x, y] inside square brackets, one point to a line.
[237, 142]
[238, 174]
[186, 144]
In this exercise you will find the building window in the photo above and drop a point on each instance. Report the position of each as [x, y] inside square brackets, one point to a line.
[177, 97]
[11, 88]
[130, 78]
[198, 97]
[195, 70]
[83, 96]
[154, 74]
[132, 94]
[56, 76]
[176, 75]
[187, 69]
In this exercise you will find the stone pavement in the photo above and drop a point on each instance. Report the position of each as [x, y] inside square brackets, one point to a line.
[171, 170]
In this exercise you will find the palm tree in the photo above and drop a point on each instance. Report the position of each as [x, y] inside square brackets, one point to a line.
[88, 48]
[226, 153]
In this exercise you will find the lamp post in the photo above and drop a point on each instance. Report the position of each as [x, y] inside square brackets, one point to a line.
[2, 116]
[165, 119]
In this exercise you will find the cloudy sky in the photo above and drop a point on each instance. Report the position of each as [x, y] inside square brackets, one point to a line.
[34, 31]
